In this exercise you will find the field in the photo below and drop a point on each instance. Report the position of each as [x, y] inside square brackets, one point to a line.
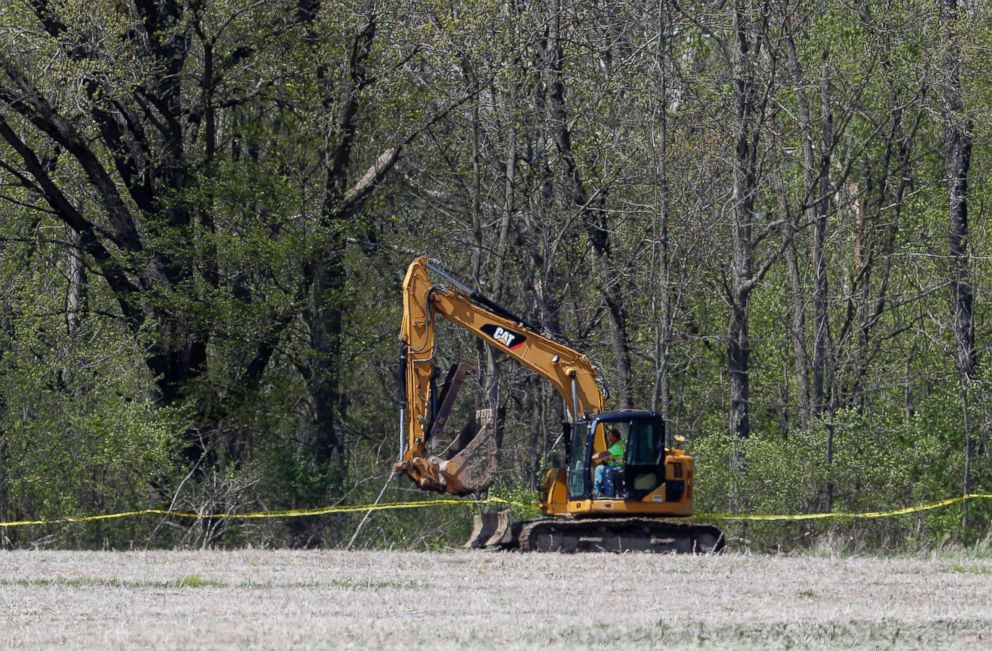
[454, 600]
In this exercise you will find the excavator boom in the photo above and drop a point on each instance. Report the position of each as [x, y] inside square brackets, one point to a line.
[472, 468]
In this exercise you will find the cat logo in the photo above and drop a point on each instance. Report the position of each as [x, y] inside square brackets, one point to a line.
[508, 338]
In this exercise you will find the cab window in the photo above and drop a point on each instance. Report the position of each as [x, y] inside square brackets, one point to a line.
[645, 446]
[578, 467]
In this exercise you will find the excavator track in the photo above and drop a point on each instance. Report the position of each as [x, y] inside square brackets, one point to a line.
[615, 535]
[619, 535]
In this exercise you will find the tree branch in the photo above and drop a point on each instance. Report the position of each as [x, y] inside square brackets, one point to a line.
[122, 287]
[35, 108]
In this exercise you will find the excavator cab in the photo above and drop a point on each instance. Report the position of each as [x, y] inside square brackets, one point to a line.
[643, 468]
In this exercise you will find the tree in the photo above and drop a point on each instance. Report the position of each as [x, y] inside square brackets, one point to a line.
[749, 102]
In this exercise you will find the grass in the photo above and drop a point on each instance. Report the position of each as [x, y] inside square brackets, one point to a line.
[196, 581]
[970, 568]
[455, 600]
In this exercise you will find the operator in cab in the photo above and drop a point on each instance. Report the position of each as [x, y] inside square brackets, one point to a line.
[606, 472]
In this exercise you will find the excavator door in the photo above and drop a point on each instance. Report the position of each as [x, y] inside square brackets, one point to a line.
[644, 470]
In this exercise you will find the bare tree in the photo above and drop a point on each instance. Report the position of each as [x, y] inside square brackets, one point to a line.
[592, 207]
[958, 142]
[749, 104]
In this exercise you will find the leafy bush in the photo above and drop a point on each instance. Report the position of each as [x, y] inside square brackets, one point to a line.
[879, 462]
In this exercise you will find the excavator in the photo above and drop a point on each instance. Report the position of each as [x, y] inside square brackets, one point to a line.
[652, 487]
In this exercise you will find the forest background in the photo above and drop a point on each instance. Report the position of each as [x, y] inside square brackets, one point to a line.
[765, 219]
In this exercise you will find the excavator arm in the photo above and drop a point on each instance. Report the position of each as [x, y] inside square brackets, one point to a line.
[472, 468]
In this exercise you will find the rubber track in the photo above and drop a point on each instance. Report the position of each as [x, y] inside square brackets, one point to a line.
[575, 535]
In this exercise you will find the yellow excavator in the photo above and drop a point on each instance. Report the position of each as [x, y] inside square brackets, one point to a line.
[651, 486]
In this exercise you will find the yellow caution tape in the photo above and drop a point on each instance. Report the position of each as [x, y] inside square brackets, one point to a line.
[387, 506]
[839, 515]
[287, 513]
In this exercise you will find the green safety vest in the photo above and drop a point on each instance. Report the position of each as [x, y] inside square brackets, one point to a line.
[616, 454]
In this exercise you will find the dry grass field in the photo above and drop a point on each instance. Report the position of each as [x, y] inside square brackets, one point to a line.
[455, 600]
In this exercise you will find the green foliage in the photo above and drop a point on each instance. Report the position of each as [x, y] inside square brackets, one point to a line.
[524, 502]
[244, 358]
[880, 462]
[79, 435]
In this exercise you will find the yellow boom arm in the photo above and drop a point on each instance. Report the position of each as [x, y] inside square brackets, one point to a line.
[570, 372]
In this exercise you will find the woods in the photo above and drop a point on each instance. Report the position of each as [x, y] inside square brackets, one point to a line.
[766, 219]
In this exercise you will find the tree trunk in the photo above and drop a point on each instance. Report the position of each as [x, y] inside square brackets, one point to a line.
[743, 195]
[958, 128]
[661, 293]
[958, 138]
[737, 364]
[595, 222]
[326, 276]
[797, 308]
[75, 299]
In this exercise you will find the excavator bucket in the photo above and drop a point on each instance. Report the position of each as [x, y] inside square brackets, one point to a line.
[472, 469]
